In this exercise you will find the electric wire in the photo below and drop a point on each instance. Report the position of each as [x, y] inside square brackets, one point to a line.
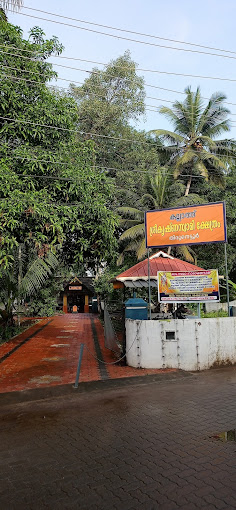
[80, 132]
[128, 31]
[17, 78]
[142, 70]
[137, 41]
[40, 74]
[28, 58]
[95, 72]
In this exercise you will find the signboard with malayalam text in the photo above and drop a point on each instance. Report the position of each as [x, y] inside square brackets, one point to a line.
[198, 224]
[75, 287]
[186, 287]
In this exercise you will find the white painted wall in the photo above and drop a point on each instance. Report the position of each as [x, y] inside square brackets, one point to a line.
[210, 306]
[198, 344]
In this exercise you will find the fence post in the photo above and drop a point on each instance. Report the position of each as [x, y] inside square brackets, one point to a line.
[124, 335]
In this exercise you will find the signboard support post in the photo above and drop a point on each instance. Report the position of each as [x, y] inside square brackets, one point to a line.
[199, 310]
[149, 287]
[227, 281]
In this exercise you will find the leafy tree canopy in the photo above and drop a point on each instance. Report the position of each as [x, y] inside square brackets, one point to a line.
[50, 192]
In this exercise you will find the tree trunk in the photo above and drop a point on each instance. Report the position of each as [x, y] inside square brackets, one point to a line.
[19, 281]
[188, 186]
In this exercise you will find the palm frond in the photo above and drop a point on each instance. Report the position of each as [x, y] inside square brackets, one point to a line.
[191, 199]
[38, 272]
[148, 197]
[168, 135]
[207, 141]
[133, 233]
[141, 250]
[184, 251]
[169, 114]
[201, 168]
[187, 157]
[214, 119]
[127, 223]
[215, 160]
[130, 212]
[120, 259]
[219, 128]
[11, 4]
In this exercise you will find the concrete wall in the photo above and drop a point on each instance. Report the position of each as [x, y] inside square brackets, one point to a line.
[185, 344]
[218, 306]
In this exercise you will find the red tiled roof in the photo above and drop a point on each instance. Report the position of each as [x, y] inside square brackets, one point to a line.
[157, 264]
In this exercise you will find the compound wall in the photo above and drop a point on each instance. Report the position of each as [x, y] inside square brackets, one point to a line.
[185, 344]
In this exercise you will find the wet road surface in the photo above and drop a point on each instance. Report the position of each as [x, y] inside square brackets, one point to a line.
[144, 446]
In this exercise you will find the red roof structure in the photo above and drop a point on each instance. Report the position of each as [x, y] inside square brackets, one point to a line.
[137, 276]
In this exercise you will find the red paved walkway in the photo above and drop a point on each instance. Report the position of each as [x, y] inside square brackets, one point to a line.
[47, 355]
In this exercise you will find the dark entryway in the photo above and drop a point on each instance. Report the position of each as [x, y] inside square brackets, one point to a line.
[75, 300]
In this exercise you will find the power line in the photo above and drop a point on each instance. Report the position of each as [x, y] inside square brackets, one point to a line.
[106, 65]
[98, 85]
[127, 38]
[97, 95]
[126, 67]
[103, 167]
[73, 130]
[155, 108]
[129, 31]
[54, 86]
[80, 132]
[143, 70]
[48, 204]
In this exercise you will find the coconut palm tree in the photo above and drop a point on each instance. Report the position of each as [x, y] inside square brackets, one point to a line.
[156, 196]
[193, 146]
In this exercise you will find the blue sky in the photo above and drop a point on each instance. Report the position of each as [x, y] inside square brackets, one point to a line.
[210, 23]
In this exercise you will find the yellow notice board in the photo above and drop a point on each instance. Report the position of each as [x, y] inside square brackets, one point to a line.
[186, 225]
[185, 287]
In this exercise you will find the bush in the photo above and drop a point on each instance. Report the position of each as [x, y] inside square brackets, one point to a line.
[7, 332]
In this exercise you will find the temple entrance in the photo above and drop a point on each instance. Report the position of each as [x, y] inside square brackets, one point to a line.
[77, 296]
[75, 300]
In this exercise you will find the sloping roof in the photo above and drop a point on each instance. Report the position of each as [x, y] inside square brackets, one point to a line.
[158, 262]
[85, 281]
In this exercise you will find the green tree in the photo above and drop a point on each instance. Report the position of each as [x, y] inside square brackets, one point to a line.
[194, 147]
[50, 192]
[107, 101]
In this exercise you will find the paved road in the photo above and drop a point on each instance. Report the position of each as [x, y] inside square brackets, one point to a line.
[139, 446]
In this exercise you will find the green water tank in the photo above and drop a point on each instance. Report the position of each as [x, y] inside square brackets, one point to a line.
[136, 308]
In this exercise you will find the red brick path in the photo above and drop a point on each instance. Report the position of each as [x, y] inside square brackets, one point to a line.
[50, 356]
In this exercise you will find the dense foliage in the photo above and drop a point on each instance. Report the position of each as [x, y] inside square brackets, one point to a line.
[50, 191]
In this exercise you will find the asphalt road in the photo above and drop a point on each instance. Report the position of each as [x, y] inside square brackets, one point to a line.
[146, 445]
